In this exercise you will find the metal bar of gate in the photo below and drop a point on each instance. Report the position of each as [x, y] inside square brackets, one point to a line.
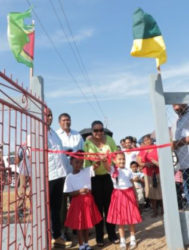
[21, 132]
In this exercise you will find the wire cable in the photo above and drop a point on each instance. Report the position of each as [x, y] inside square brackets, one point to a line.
[75, 52]
[83, 68]
[60, 57]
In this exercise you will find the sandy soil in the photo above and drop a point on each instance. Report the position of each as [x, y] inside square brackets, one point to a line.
[149, 234]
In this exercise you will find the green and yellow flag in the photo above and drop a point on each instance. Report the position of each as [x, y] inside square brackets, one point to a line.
[21, 37]
[148, 41]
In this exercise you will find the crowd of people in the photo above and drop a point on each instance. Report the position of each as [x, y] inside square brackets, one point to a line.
[103, 192]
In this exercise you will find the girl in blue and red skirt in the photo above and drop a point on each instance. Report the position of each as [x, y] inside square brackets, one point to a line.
[83, 212]
[123, 209]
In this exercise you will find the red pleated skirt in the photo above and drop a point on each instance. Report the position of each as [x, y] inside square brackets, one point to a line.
[83, 213]
[123, 209]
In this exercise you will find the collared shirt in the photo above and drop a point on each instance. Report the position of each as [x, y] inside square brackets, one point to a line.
[57, 162]
[73, 141]
[179, 131]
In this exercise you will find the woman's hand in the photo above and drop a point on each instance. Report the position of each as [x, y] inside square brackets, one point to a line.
[136, 178]
[141, 165]
[96, 165]
[155, 162]
[103, 158]
[149, 164]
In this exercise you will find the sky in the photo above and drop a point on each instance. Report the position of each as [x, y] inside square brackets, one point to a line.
[108, 85]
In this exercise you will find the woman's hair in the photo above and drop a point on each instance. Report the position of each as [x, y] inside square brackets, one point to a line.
[122, 140]
[146, 136]
[79, 151]
[95, 123]
[130, 138]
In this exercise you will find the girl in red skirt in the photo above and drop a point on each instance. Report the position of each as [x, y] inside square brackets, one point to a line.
[83, 212]
[123, 209]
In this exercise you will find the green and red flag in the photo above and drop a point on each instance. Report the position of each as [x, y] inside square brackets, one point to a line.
[21, 37]
[148, 40]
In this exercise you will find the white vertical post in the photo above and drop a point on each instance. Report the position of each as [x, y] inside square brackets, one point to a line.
[171, 214]
[39, 218]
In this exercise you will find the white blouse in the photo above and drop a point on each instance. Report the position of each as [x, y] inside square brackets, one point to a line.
[124, 178]
[80, 180]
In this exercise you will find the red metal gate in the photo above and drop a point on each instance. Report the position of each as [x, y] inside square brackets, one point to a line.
[24, 201]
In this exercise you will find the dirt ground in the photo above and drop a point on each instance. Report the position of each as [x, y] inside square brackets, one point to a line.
[149, 235]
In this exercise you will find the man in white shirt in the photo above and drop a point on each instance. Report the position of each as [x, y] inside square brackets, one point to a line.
[181, 143]
[71, 141]
[57, 171]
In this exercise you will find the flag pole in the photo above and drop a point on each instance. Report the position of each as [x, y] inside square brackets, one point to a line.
[159, 70]
[31, 72]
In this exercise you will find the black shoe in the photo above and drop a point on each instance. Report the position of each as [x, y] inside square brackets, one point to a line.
[114, 240]
[74, 232]
[67, 237]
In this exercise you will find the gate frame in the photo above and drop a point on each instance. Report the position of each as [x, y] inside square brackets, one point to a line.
[176, 223]
[35, 98]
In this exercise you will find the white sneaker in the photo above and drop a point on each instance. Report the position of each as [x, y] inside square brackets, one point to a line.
[122, 246]
[132, 244]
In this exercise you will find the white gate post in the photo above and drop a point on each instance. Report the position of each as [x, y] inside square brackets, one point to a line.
[171, 214]
[36, 85]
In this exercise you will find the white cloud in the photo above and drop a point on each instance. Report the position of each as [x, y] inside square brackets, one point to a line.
[118, 85]
[177, 71]
[176, 78]
[59, 38]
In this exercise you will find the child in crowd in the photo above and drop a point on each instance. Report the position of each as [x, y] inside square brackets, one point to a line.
[83, 212]
[123, 209]
[138, 179]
